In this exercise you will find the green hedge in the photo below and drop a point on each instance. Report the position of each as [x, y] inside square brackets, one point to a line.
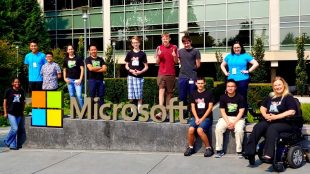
[116, 89]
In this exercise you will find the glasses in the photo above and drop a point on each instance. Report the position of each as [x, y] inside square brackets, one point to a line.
[200, 83]
[236, 47]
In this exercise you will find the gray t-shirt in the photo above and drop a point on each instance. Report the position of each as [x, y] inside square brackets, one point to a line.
[188, 59]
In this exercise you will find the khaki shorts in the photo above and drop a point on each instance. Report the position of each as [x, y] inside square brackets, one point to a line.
[167, 82]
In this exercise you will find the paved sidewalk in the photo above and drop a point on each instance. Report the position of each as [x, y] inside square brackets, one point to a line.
[28, 161]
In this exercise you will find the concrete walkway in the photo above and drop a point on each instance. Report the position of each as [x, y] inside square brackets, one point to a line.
[46, 161]
[28, 161]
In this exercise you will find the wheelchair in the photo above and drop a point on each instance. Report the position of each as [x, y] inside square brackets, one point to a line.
[289, 151]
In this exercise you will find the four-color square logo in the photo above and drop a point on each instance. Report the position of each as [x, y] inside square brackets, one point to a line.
[47, 108]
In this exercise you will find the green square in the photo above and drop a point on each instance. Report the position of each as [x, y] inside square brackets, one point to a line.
[54, 99]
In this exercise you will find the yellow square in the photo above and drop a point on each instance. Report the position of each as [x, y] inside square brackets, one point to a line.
[54, 117]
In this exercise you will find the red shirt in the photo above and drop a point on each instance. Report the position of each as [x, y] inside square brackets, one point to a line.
[166, 60]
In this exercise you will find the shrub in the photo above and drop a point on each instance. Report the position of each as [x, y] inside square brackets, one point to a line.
[305, 107]
[258, 92]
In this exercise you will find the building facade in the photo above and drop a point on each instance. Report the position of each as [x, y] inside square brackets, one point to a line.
[212, 24]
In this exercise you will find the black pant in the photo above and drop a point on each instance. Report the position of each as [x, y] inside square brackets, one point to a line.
[35, 86]
[271, 131]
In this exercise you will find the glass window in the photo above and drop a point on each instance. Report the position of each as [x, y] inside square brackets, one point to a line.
[117, 2]
[197, 39]
[304, 7]
[150, 1]
[80, 3]
[289, 8]
[152, 41]
[259, 9]
[153, 16]
[134, 18]
[238, 11]
[215, 1]
[171, 15]
[49, 5]
[196, 13]
[219, 38]
[215, 12]
[63, 4]
[95, 3]
[196, 2]
[117, 19]
[288, 35]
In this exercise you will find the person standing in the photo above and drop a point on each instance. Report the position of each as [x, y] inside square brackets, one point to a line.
[189, 58]
[136, 65]
[51, 72]
[237, 62]
[34, 61]
[201, 106]
[13, 107]
[166, 57]
[96, 67]
[73, 73]
[232, 106]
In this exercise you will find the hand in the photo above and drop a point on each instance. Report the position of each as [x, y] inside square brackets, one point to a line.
[231, 126]
[67, 80]
[197, 121]
[227, 74]
[5, 115]
[270, 117]
[132, 71]
[138, 72]
[158, 52]
[78, 82]
[173, 53]
[244, 71]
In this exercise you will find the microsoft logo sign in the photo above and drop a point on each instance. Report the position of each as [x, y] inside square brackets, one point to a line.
[47, 109]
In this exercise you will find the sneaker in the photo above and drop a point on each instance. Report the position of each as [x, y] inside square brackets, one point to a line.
[240, 155]
[209, 152]
[189, 151]
[219, 154]
[158, 116]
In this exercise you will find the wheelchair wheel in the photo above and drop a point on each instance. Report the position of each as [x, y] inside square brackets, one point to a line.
[295, 157]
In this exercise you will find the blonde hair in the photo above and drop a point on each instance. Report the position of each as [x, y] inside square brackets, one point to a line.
[285, 85]
[165, 34]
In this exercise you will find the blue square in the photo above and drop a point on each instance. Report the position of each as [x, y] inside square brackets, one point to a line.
[38, 117]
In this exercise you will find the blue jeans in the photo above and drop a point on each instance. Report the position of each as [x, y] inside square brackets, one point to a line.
[21, 133]
[185, 89]
[205, 125]
[10, 139]
[75, 90]
[97, 89]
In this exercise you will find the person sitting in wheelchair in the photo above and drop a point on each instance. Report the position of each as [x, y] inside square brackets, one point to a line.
[276, 111]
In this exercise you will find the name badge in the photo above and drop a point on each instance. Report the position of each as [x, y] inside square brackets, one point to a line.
[34, 64]
[201, 105]
[234, 70]
[191, 82]
[135, 63]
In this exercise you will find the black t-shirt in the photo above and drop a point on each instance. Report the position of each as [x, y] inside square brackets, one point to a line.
[232, 104]
[73, 67]
[136, 61]
[97, 62]
[14, 101]
[279, 105]
[201, 101]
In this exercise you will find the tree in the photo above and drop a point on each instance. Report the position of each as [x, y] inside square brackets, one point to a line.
[109, 60]
[301, 73]
[258, 52]
[219, 59]
[7, 65]
[80, 48]
[22, 20]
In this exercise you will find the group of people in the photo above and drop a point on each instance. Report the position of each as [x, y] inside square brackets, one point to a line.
[43, 75]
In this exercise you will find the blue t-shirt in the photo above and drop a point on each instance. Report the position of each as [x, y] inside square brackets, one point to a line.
[35, 63]
[237, 63]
